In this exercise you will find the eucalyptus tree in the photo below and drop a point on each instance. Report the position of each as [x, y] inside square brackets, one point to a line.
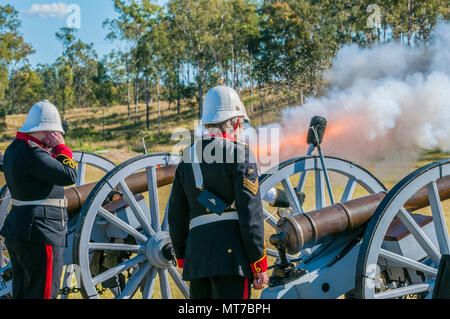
[29, 89]
[130, 27]
[14, 52]
[411, 21]
[202, 25]
[81, 59]
[116, 66]
[65, 83]
[288, 46]
[177, 55]
[243, 26]
[48, 75]
[102, 83]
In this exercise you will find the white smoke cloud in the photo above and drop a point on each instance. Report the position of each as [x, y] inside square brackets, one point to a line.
[52, 10]
[384, 105]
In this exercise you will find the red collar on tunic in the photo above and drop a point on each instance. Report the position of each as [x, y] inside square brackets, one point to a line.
[27, 137]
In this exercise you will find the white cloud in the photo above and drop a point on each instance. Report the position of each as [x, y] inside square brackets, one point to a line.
[52, 10]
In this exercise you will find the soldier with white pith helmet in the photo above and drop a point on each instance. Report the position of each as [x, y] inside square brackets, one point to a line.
[215, 212]
[37, 165]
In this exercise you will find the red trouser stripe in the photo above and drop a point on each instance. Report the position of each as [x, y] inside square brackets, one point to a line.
[245, 289]
[48, 272]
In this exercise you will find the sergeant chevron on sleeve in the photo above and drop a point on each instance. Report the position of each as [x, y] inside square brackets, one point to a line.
[37, 165]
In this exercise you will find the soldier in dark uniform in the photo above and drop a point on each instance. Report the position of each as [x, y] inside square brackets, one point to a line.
[220, 253]
[37, 164]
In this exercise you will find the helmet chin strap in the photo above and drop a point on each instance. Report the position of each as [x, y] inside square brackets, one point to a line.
[237, 125]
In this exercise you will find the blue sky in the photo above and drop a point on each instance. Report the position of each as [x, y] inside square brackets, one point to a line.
[41, 19]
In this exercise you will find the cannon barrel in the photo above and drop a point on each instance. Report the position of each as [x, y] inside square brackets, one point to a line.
[76, 196]
[306, 230]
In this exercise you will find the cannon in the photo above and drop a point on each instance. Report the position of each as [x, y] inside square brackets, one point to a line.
[299, 231]
[377, 244]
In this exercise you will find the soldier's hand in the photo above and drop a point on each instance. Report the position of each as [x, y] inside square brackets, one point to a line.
[54, 139]
[260, 280]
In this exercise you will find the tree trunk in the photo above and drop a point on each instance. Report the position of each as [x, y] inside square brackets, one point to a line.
[136, 95]
[103, 113]
[236, 74]
[188, 74]
[200, 95]
[262, 109]
[251, 82]
[409, 5]
[232, 67]
[242, 76]
[159, 111]
[300, 95]
[13, 92]
[225, 70]
[128, 97]
[170, 92]
[103, 123]
[63, 99]
[79, 92]
[178, 91]
[147, 120]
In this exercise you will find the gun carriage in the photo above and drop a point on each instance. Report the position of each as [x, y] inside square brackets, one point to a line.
[119, 232]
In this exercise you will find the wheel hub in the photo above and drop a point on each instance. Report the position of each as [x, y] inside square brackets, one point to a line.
[156, 246]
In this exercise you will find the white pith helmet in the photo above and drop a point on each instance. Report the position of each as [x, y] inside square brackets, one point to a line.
[43, 116]
[222, 103]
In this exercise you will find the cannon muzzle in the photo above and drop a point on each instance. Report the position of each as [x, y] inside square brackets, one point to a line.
[76, 196]
[295, 233]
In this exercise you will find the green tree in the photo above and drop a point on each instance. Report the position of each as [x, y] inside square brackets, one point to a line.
[81, 59]
[244, 26]
[118, 73]
[411, 21]
[178, 55]
[14, 52]
[135, 17]
[29, 89]
[202, 25]
[291, 52]
[65, 83]
[48, 75]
